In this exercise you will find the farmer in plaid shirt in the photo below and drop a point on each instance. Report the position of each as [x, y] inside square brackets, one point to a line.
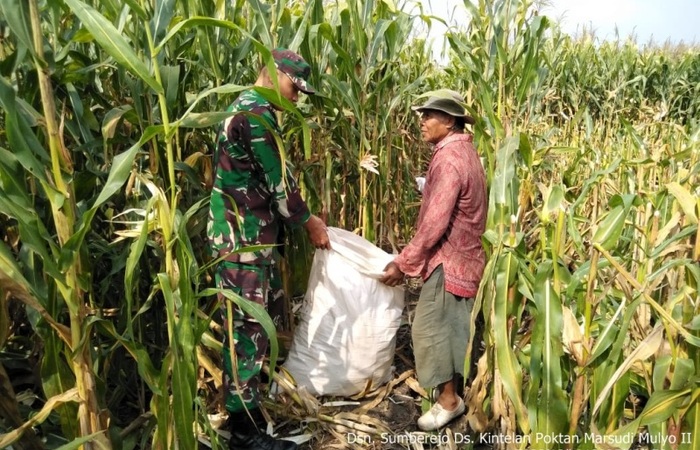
[446, 252]
[253, 197]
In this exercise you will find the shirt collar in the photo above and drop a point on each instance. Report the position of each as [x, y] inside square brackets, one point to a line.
[454, 138]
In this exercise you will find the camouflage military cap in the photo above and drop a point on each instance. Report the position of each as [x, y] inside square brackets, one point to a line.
[295, 67]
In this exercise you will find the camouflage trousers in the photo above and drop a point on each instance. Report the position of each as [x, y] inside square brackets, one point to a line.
[262, 285]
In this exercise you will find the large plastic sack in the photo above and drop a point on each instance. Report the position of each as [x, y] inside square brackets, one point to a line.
[346, 337]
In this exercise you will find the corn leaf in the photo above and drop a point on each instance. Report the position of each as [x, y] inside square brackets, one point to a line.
[52, 403]
[547, 405]
[660, 406]
[610, 228]
[505, 359]
[686, 199]
[256, 311]
[15, 14]
[118, 174]
[643, 351]
[183, 359]
[111, 40]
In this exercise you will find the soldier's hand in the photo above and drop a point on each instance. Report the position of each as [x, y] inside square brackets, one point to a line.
[392, 275]
[318, 233]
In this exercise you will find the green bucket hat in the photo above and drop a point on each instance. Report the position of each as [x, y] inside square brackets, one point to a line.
[447, 101]
[295, 67]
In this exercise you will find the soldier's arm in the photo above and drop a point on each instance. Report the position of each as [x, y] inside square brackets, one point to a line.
[279, 179]
[281, 182]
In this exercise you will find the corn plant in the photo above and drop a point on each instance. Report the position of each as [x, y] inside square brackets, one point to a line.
[537, 308]
[152, 211]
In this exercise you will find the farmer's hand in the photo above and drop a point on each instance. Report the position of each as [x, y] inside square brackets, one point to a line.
[317, 233]
[392, 275]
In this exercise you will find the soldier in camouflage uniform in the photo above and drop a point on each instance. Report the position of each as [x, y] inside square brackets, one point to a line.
[253, 196]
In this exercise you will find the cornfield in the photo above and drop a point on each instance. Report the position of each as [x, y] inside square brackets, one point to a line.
[589, 301]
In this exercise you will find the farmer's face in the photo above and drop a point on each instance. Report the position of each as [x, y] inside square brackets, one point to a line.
[435, 125]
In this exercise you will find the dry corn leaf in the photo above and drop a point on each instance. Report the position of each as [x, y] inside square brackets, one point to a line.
[572, 336]
[363, 392]
[666, 229]
[71, 395]
[342, 440]
[686, 199]
[339, 403]
[415, 387]
[360, 422]
[211, 367]
[450, 444]
[476, 396]
[385, 391]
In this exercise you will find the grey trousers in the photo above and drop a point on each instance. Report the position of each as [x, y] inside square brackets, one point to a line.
[440, 332]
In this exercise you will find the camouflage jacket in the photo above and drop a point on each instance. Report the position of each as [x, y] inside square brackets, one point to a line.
[253, 195]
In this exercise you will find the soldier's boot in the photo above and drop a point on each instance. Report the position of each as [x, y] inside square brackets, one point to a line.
[247, 435]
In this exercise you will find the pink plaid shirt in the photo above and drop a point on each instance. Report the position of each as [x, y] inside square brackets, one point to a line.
[451, 220]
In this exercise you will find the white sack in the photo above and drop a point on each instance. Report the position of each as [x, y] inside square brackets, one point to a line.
[347, 333]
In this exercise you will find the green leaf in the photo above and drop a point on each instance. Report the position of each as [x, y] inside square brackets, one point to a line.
[111, 40]
[16, 15]
[30, 153]
[78, 443]
[170, 75]
[138, 9]
[507, 363]
[208, 46]
[262, 14]
[12, 179]
[199, 21]
[660, 406]
[161, 18]
[34, 235]
[553, 202]
[225, 89]
[204, 120]
[121, 168]
[182, 363]
[594, 180]
[642, 352]
[255, 310]
[610, 228]
[16, 203]
[131, 270]
[505, 170]
[547, 403]
[607, 336]
[675, 237]
[10, 268]
[692, 431]
[526, 150]
[144, 363]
